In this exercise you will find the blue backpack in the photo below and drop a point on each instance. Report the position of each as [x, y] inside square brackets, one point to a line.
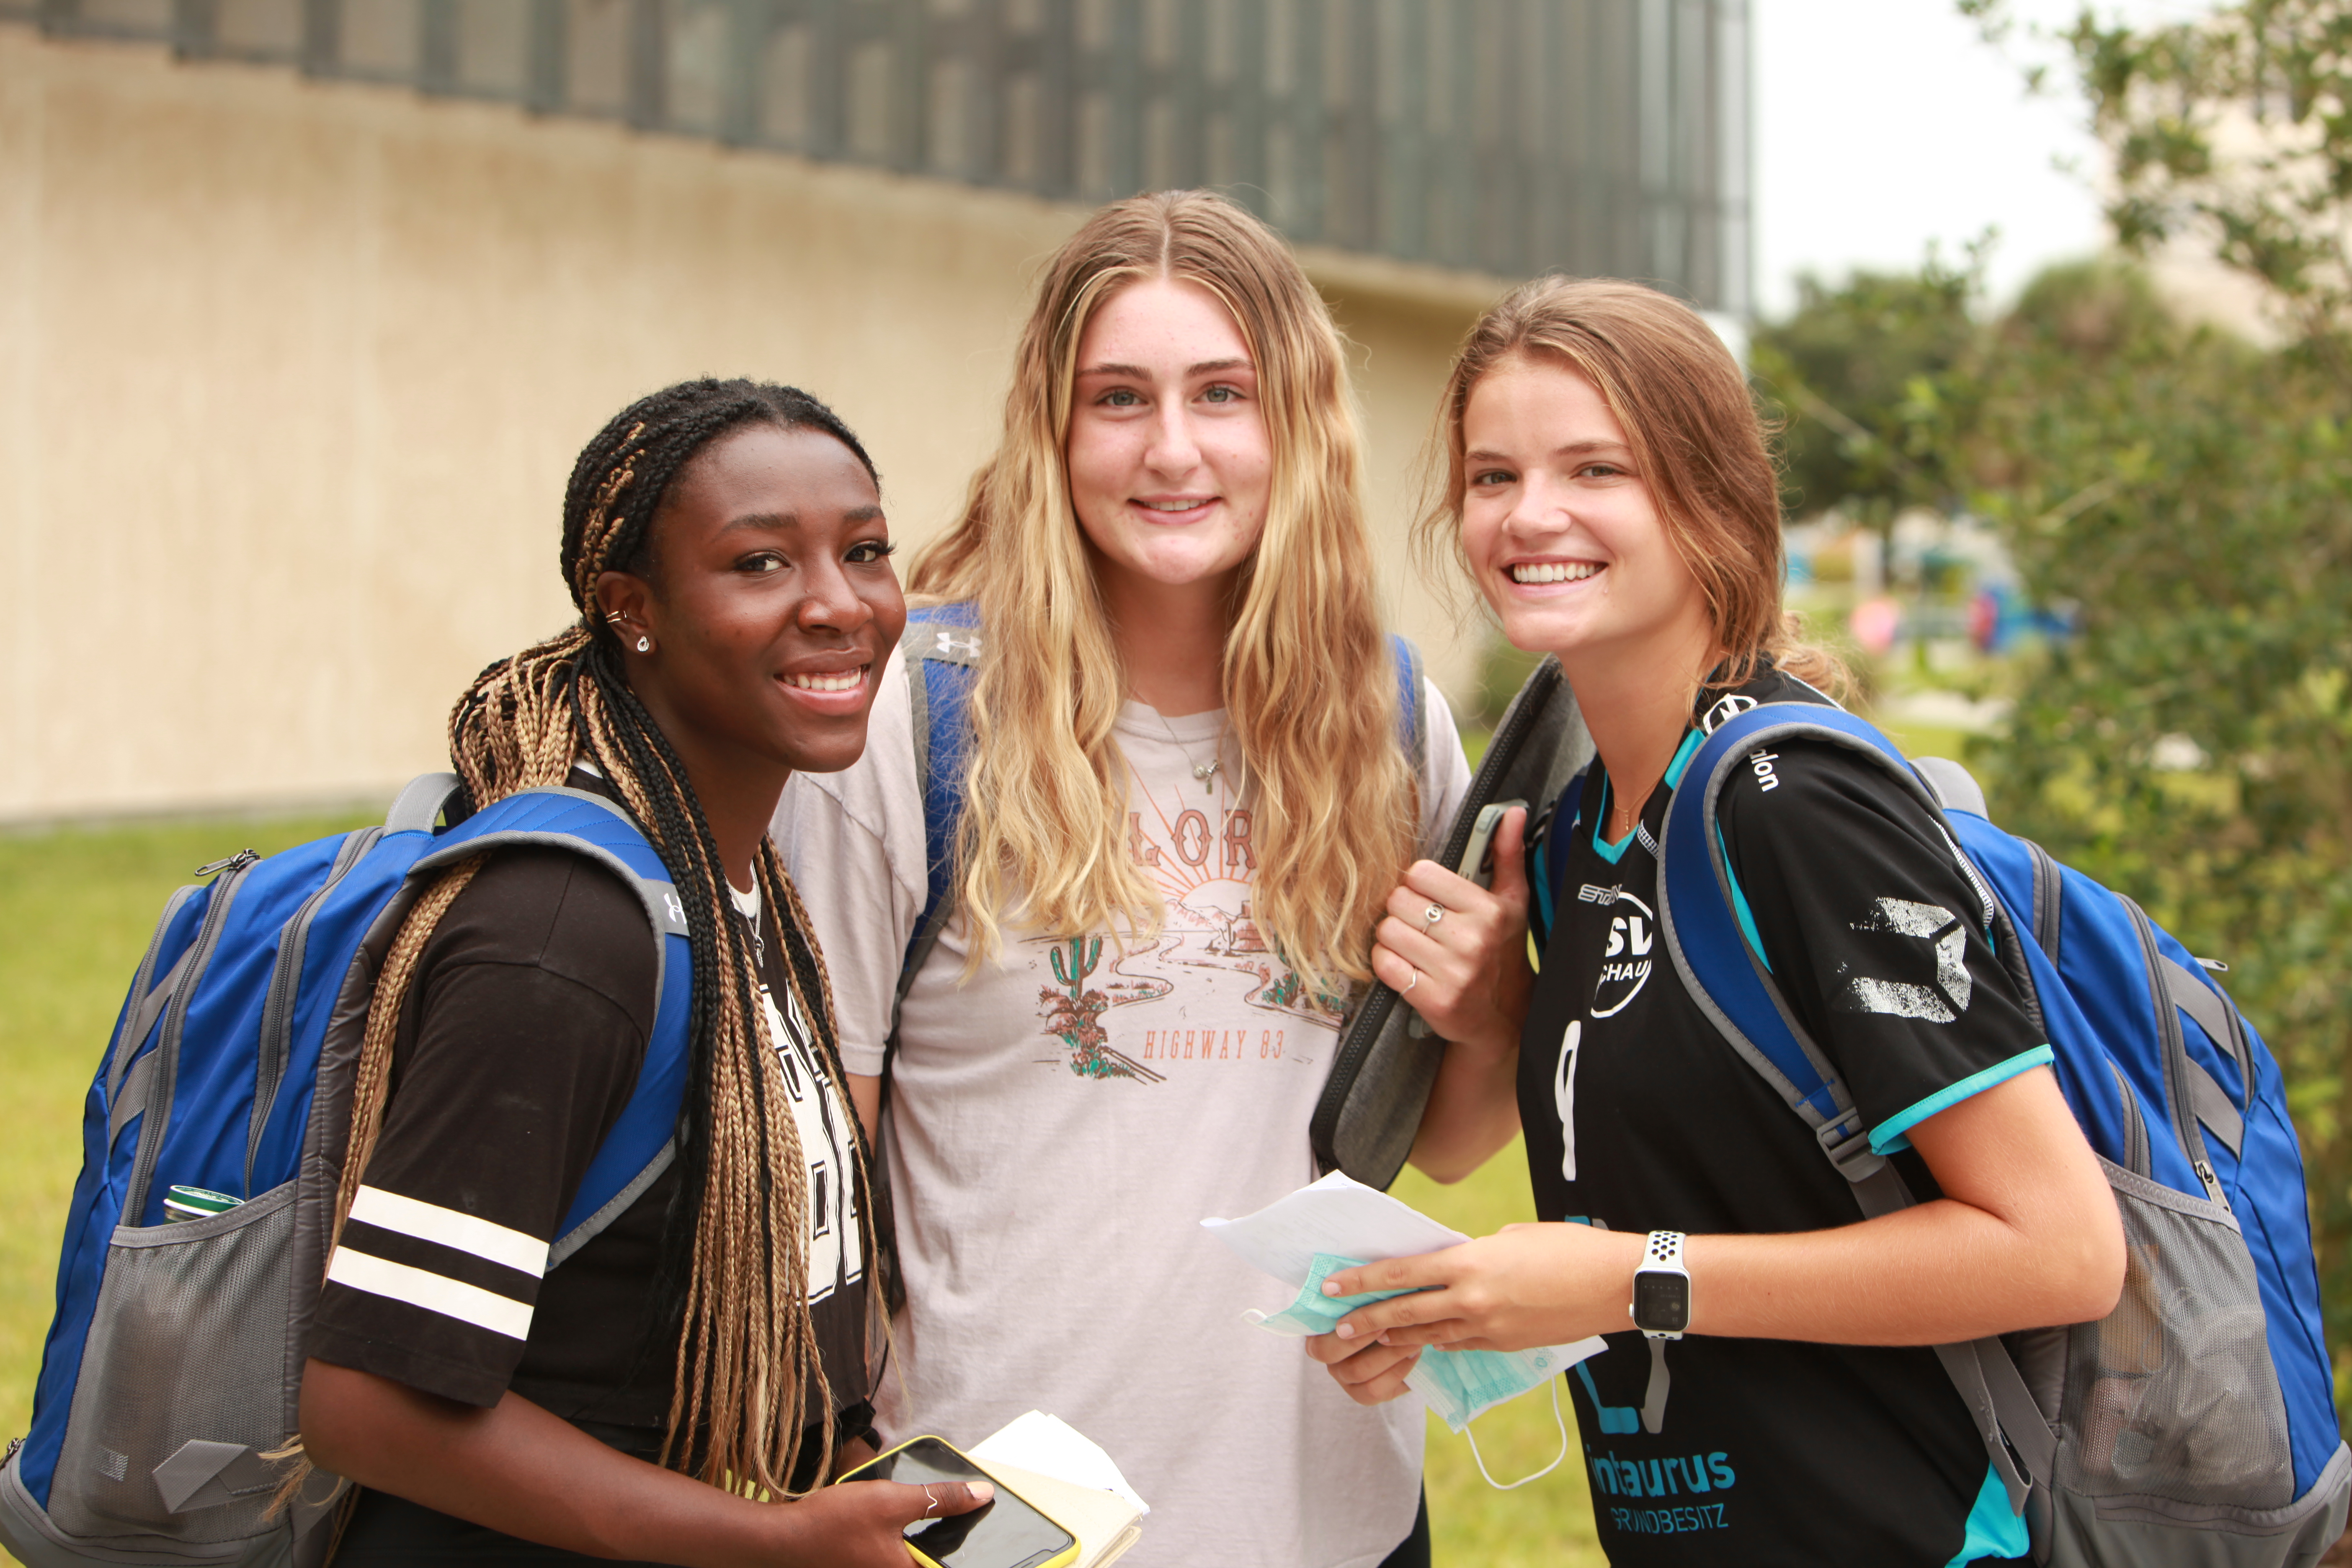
[173, 1366]
[2195, 1424]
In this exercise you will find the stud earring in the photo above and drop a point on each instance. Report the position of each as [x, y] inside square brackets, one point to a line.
[645, 644]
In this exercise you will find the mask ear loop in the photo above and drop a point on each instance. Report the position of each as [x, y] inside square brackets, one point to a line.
[1514, 1486]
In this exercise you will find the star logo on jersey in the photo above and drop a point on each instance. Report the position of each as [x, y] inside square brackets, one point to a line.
[1625, 963]
[1938, 1003]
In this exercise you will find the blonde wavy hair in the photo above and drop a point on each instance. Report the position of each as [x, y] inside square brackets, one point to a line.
[1307, 678]
[1704, 450]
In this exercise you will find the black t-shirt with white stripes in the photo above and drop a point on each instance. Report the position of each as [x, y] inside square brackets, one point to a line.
[517, 1047]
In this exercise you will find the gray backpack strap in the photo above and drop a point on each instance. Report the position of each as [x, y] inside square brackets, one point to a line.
[420, 802]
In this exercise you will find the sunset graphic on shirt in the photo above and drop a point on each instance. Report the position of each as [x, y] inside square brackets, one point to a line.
[1117, 1014]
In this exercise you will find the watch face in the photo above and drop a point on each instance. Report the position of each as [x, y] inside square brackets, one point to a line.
[1661, 1302]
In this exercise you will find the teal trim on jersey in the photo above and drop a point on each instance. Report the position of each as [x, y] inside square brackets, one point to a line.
[1887, 1137]
[1612, 853]
[1682, 755]
[1993, 1530]
[1739, 904]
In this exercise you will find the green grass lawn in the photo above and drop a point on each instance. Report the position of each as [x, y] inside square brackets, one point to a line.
[78, 908]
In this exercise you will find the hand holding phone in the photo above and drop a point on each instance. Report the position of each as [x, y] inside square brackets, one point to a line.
[1005, 1533]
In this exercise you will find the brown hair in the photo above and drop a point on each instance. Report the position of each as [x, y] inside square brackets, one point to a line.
[1695, 432]
[1306, 676]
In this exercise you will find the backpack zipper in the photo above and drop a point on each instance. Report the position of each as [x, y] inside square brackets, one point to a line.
[2049, 889]
[2135, 1159]
[2176, 1058]
[276, 1039]
[223, 893]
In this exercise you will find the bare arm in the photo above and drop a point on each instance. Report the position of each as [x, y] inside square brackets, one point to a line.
[866, 1095]
[2026, 1234]
[1467, 974]
[516, 1468]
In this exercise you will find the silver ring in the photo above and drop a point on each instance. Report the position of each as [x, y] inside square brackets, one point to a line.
[1411, 984]
[1435, 913]
[935, 1502]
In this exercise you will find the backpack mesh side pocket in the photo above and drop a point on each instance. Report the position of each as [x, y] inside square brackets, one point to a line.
[183, 1383]
[2172, 1395]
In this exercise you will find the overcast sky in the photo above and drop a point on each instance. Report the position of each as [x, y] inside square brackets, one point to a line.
[1883, 125]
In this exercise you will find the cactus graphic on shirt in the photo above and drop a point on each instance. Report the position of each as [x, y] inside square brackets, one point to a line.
[1075, 1014]
[1085, 953]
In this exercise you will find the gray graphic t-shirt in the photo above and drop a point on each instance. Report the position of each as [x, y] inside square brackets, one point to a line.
[1061, 1122]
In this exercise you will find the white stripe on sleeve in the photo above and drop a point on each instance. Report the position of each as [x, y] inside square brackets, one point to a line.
[450, 1298]
[430, 1222]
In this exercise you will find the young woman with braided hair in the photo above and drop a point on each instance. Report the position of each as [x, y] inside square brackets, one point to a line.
[1187, 799]
[673, 1390]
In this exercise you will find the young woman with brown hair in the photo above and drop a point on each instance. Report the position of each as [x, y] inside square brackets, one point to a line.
[1187, 799]
[1609, 492]
[668, 1391]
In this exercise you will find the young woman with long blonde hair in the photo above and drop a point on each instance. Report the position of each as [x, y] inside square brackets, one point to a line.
[1186, 799]
[1610, 493]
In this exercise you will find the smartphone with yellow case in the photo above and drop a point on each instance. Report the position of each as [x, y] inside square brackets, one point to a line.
[1005, 1533]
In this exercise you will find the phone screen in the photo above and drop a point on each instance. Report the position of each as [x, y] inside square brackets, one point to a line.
[1003, 1533]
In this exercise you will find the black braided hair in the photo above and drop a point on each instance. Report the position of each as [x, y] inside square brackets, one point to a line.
[608, 528]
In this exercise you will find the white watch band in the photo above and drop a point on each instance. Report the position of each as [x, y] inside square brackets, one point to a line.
[1662, 1254]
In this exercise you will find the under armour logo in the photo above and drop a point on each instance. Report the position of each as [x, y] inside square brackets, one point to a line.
[676, 911]
[1937, 1003]
[1725, 711]
[953, 647]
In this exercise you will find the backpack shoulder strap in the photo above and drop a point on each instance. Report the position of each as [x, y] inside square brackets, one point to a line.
[940, 648]
[1698, 916]
[1547, 858]
[1412, 731]
[1729, 980]
[641, 1143]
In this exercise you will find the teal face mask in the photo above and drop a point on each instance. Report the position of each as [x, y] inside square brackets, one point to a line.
[1459, 1386]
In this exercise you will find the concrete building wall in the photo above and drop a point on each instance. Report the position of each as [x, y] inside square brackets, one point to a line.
[292, 372]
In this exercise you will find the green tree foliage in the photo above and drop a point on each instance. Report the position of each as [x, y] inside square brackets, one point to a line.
[2236, 130]
[2232, 130]
[1866, 372]
[2192, 743]
[2187, 497]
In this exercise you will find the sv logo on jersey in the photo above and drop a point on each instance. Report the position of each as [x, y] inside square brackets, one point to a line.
[1625, 965]
[1942, 1003]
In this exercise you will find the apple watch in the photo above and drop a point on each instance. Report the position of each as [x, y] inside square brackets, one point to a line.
[1662, 1289]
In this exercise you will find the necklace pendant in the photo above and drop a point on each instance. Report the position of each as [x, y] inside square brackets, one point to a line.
[1207, 774]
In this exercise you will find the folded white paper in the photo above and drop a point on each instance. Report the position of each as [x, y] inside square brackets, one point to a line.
[1342, 1217]
[1337, 1216]
[1052, 1447]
